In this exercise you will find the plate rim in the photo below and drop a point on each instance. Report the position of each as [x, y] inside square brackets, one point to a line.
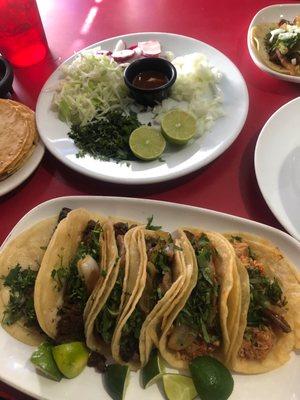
[288, 226]
[255, 59]
[156, 179]
[25, 171]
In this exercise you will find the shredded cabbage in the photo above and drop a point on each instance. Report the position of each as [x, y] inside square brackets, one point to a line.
[195, 90]
[92, 83]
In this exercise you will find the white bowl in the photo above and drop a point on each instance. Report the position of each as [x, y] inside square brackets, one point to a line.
[272, 14]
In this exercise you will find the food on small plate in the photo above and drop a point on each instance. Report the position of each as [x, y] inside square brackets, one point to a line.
[278, 45]
[70, 269]
[18, 136]
[204, 320]
[269, 323]
[92, 92]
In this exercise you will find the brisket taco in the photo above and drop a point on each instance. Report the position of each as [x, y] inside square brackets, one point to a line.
[203, 322]
[149, 287]
[70, 270]
[102, 312]
[269, 326]
[20, 261]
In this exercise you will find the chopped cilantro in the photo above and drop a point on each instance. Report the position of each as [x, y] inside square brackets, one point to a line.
[21, 285]
[201, 310]
[151, 227]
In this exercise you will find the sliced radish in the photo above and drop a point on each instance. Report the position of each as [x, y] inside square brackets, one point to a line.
[151, 48]
[132, 46]
[122, 55]
[104, 52]
[121, 45]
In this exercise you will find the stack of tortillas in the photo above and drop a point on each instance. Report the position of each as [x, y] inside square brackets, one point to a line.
[18, 136]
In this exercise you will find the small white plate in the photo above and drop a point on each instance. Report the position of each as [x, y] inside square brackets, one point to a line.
[16, 370]
[177, 163]
[268, 14]
[277, 165]
[23, 173]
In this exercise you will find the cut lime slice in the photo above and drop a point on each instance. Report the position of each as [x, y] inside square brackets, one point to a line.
[153, 370]
[116, 379]
[43, 360]
[71, 358]
[212, 379]
[147, 143]
[178, 126]
[179, 387]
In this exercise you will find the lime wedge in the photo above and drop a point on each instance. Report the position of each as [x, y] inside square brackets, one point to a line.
[178, 126]
[153, 370]
[179, 387]
[43, 360]
[71, 358]
[147, 143]
[212, 379]
[116, 379]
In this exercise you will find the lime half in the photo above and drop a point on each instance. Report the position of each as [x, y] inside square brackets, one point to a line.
[212, 379]
[147, 143]
[116, 379]
[43, 360]
[178, 126]
[71, 358]
[153, 370]
[179, 387]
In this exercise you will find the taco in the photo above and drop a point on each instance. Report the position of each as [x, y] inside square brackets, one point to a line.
[203, 322]
[151, 285]
[269, 326]
[70, 269]
[20, 260]
[277, 45]
[102, 312]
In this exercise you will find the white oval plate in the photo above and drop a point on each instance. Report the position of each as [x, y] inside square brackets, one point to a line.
[268, 14]
[23, 173]
[188, 159]
[16, 370]
[277, 165]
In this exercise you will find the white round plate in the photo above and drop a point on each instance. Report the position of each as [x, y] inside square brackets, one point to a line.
[177, 163]
[16, 369]
[277, 165]
[22, 174]
[268, 14]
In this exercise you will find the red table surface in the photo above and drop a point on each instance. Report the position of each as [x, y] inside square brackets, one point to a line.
[228, 184]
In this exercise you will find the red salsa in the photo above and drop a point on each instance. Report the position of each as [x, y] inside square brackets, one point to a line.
[149, 80]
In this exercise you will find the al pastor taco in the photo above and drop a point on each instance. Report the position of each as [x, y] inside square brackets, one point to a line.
[20, 261]
[150, 289]
[204, 320]
[70, 269]
[269, 326]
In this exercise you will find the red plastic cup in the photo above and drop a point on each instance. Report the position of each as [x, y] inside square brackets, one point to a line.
[22, 37]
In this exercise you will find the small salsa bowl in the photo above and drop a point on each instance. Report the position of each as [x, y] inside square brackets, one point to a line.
[6, 77]
[269, 14]
[150, 96]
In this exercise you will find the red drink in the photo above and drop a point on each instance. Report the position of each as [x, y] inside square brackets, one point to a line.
[22, 37]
